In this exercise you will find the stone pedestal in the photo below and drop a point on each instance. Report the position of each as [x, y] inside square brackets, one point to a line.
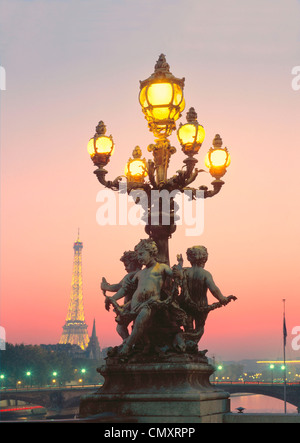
[175, 391]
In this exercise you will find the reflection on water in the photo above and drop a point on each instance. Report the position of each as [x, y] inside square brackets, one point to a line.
[253, 403]
[256, 403]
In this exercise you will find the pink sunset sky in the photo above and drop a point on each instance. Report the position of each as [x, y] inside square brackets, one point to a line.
[70, 64]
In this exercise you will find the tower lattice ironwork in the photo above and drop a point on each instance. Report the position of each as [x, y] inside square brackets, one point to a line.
[75, 329]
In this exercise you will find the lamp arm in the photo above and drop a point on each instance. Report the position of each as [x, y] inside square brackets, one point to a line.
[139, 186]
[193, 176]
[217, 185]
[182, 179]
[101, 173]
[115, 184]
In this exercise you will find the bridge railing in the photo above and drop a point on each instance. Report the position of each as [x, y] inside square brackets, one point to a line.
[48, 388]
[228, 382]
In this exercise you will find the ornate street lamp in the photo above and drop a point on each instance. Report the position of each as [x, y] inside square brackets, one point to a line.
[161, 98]
[217, 159]
[162, 101]
[191, 136]
[136, 168]
[167, 306]
[100, 147]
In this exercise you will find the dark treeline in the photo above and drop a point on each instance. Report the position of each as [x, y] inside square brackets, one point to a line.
[26, 365]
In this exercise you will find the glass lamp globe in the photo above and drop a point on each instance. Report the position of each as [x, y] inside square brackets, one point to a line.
[136, 168]
[191, 134]
[100, 147]
[217, 159]
[161, 98]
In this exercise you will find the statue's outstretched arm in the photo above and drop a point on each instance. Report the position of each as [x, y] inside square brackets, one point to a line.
[214, 289]
[105, 286]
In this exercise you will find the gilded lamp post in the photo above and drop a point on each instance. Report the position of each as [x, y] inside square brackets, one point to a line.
[162, 100]
[158, 374]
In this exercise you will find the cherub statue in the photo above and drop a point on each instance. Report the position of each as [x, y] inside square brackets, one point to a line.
[150, 282]
[122, 290]
[164, 320]
[194, 282]
[156, 318]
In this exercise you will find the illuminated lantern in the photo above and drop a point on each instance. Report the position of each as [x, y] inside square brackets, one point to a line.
[136, 168]
[100, 147]
[191, 134]
[161, 98]
[217, 159]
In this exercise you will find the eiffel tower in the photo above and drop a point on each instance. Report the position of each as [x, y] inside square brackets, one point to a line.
[75, 328]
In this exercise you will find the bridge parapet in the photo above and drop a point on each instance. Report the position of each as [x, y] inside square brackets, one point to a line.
[60, 398]
[51, 398]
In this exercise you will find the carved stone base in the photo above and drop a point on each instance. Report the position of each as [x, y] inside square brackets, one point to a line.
[160, 392]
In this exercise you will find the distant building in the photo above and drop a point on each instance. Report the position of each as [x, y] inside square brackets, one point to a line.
[93, 350]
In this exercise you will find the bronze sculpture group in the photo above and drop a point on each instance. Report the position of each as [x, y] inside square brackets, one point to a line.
[167, 307]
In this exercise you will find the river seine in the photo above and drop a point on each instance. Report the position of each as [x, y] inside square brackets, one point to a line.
[255, 403]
